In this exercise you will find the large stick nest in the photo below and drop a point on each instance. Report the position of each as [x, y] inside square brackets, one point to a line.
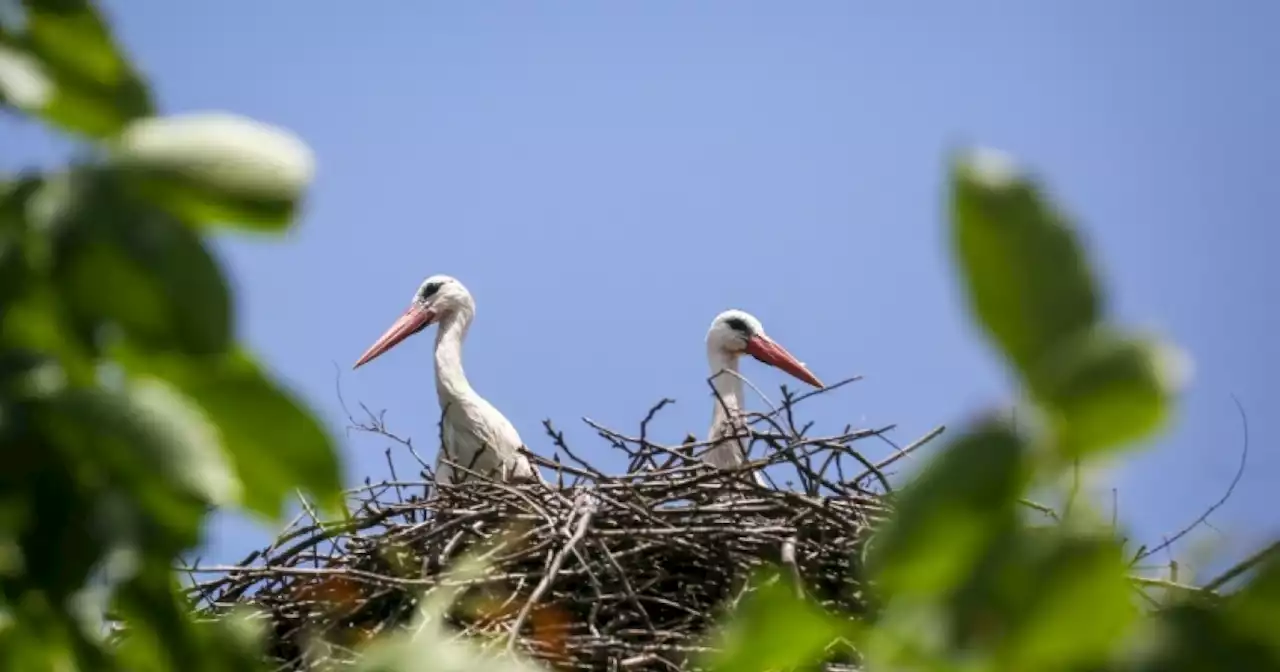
[589, 571]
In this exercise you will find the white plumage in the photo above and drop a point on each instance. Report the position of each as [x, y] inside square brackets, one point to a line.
[732, 334]
[476, 435]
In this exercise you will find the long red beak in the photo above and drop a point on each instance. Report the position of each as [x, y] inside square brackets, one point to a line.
[768, 351]
[414, 320]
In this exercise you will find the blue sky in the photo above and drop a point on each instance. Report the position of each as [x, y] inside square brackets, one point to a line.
[606, 177]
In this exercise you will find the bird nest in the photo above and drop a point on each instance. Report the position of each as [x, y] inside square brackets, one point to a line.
[588, 571]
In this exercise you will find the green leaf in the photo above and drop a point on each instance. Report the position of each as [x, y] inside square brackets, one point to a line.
[161, 634]
[275, 444]
[1104, 390]
[1235, 633]
[430, 651]
[33, 325]
[216, 167]
[428, 643]
[15, 267]
[152, 441]
[1255, 609]
[1077, 606]
[1025, 275]
[122, 262]
[47, 510]
[773, 629]
[23, 82]
[951, 513]
[89, 86]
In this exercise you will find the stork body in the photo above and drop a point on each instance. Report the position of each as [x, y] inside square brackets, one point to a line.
[476, 436]
[732, 334]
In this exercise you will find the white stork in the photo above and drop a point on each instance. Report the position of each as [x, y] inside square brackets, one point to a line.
[476, 436]
[733, 333]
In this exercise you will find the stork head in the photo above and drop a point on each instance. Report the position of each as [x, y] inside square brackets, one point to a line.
[437, 297]
[735, 332]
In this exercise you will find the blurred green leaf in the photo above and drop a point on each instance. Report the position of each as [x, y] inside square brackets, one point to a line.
[1255, 609]
[428, 650]
[215, 167]
[773, 629]
[1076, 608]
[1104, 390]
[161, 432]
[948, 516]
[15, 270]
[162, 634]
[122, 262]
[38, 635]
[1205, 635]
[154, 445]
[49, 513]
[89, 86]
[23, 82]
[274, 442]
[428, 643]
[1025, 275]
[34, 326]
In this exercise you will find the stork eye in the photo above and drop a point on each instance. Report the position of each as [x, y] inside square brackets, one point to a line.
[430, 290]
[738, 324]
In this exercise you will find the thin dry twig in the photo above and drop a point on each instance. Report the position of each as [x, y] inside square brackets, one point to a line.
[1231, 488]
[1242, 567]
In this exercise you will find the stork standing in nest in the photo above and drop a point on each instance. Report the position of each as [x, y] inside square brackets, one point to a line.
[732, 334]
[475, 435]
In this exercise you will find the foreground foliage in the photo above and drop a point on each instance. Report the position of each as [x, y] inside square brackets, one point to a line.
[128, 411]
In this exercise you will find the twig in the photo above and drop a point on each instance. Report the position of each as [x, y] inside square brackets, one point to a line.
[588, 511]
[1231, 488]
[1243, 566]
[916, 445]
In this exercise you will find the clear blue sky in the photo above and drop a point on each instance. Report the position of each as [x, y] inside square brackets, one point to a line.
[606, 177]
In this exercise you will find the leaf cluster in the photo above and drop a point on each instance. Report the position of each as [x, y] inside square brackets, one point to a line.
[128, 411]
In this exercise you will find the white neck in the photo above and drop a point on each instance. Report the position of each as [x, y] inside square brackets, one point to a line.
[451, 381]
[728, 387]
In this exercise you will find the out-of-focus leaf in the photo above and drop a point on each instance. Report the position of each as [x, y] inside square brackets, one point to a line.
[1237, 632]
[90, 87]
[33, 325]
[1200, 635]
[120, 261]
[429, 651]
[274, 442]
[23, 83]
[149, 440]
[1255, 609]
[242, 635]
[15, 270]
[36, 634]
[1075, 609]
[948, 516]
[216, 167]
[1024, 273]
[1104, 390]
[163, 635]
[427, 646]
[773, 629]
[50, 514]
[23, 253]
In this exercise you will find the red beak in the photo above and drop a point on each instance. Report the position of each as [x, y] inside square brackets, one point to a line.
[766, 350]
[414, 320]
